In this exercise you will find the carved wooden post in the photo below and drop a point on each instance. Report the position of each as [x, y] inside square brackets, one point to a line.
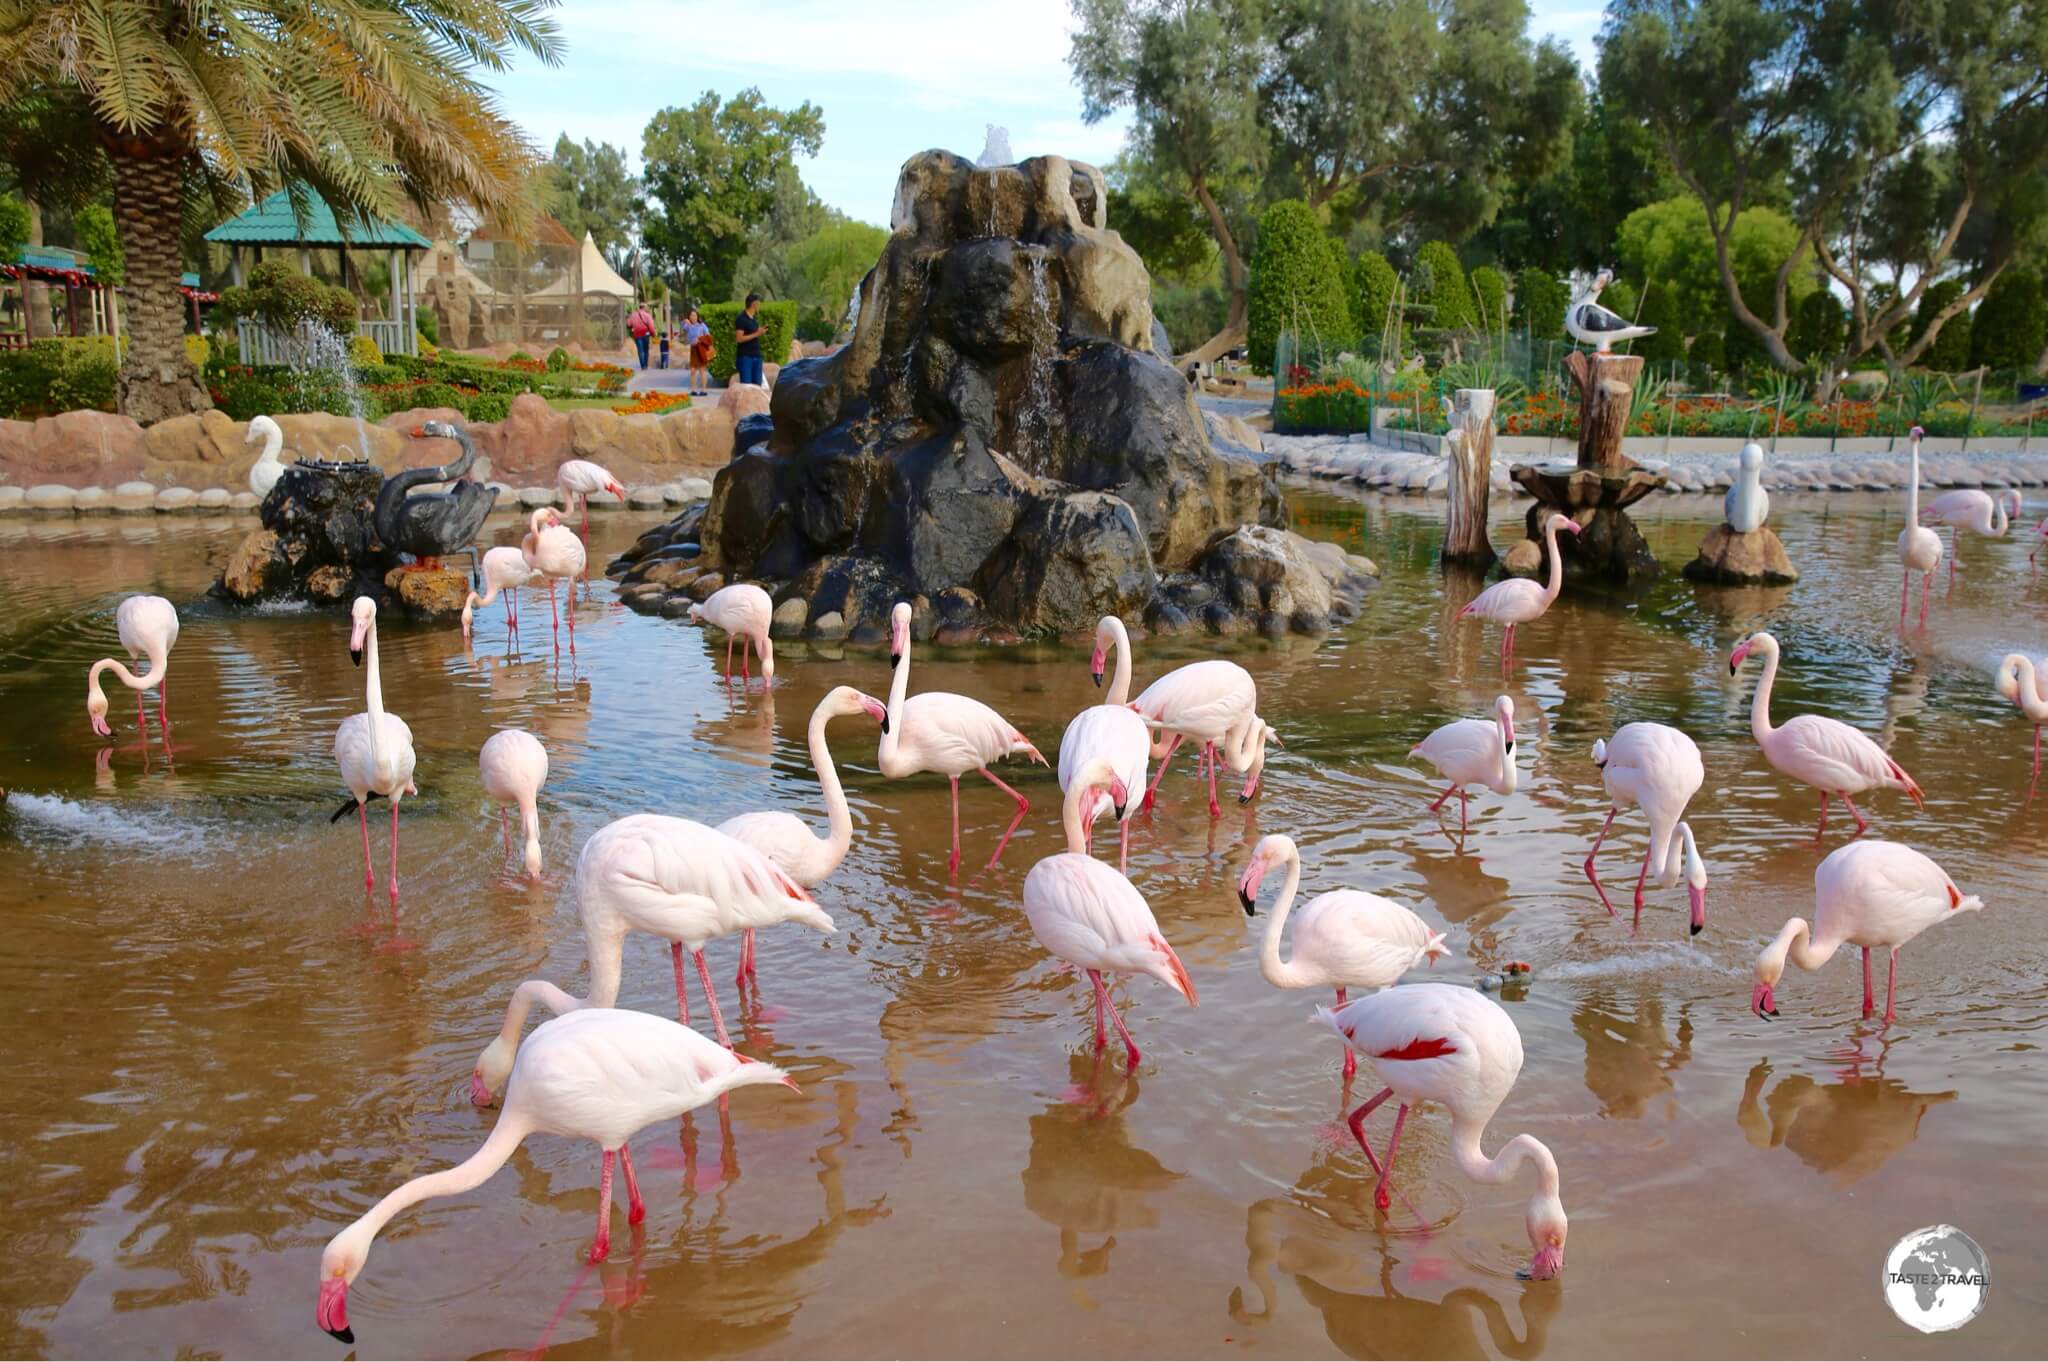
[1606, 386]
[1470, 449]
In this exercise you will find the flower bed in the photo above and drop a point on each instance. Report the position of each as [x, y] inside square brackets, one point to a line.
[656, 403]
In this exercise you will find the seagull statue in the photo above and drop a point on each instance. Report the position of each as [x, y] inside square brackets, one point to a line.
[1595, 325]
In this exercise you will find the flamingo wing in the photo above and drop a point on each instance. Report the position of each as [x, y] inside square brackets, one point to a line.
[954, 734]
[1202, 699]
[1428, 1040]
[1467, 751]
[1885, 894]
[1115, 734]
[1084, 912]
[1514, 601]
[681, 880]
[1830, 755]
[782, 837]
[1362, 940]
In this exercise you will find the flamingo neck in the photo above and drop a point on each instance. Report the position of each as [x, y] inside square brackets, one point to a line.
[1795, 942]
[1760, 705]
[524, 997]
[1556, 581]
[1999, 521]
[1070, 815]
[158, 662]
[1120, 681]
[2031, 700]
[603, 945]
[1670, 857]
[899, 682]
[373, 687]
[1279, 973]
[529, 817]
[1503, 1166]
[837, 815]
[1913, 488]
[512, 1127]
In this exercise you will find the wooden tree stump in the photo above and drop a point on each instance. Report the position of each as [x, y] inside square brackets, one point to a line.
[1606, 386]
[1470, 450]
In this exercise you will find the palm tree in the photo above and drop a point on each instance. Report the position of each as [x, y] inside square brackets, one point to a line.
[197, 104]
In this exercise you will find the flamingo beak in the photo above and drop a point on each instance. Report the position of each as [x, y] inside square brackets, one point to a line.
[1697, 893]
[1549, 1262]
[1735, 658]
[332, 1312]
[1762, 1002]
[99, 726]
[479, 1095]
[790, 1083]
[1248, 887]
[876, 711]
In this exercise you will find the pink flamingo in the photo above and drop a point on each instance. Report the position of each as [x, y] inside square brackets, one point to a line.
[148, 626]
[1091, 917]
[1655, 768]
[1344, 939]
[1877, 895]
[373, 749]
[744, 611]
[1919, 547]
[1824, 753]
[947, 733]
[1519, 600]
[2025, 683]
[1110, 730]
[504, 569]
[668, 877]
[1973, 510]
[1453, 1045]
[1473, 752]
[602, 1075]
[553, 550]
[578, 478]
[1213, 703]
[786, 839]
[514, 767]
[2040, 533]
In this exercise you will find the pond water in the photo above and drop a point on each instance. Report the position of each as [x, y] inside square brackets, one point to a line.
[211, 1070]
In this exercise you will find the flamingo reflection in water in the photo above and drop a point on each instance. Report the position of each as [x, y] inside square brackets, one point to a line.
[1084, 1174]
[1845, 1130]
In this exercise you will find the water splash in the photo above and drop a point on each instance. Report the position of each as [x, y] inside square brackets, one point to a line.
[996, 150]
[320, 357]
[1035, 420]
[52, 818]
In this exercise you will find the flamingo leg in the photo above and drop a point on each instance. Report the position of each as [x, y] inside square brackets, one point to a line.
[505, 830]
[1023, 807]
[2037, 754]
[555, 614]
[636, 1208]
[583, 499]
[746, 959]
[1869, 1002]
[1821, 831]
[141, 717]
[1357, 1123]
[1591, 873]
[569, 609]
[728, 659]
[1215, 809]
[163, 720]
[1379, 1193]
[746, 672]
[704, 977]
[1123, 836]
[1101, 1035]
[1891, 984]
[1102, 1000]
[1905, 595]
[1350, 1060]
[1464, 811]
[1637, 921]
[1160, 774]
[369, 875]
[953, 861]
[601, 1247]
[675, 951]
[1861, 825]
[1926, 585]
[393, 886]
[1449, 790]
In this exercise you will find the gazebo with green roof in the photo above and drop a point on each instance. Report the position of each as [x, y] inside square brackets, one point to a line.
[273, 224]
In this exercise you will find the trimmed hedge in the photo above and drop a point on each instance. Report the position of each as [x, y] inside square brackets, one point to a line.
[1373, 282]
[1295, 284]
[1490, 294]
[778, 329]
[2011, 326]
[1445, 291]
[63, 374]
[1951, 349]
[1540, 302]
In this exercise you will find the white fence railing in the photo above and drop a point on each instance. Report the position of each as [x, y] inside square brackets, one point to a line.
[261, 345]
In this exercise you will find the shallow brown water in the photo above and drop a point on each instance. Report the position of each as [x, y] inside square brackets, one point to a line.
[210, 1072]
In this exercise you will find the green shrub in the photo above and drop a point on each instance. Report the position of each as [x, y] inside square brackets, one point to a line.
[1438, 281]
[1707, 348]
[489, 407]
[814, 325]
[440, 395]
[778, 328]
[1295, 285]
[1490, 295]
[1540, 301]
[559, 360]
[380, 374]
[1373, 282]
[2011, 326]
[52, 376]
[1951, 349]
[1661, 310]
[428, 324]
[284, 299]
[1190, 315]
[362, 350]
[1819, 328]
[244, 394]
[520, 357]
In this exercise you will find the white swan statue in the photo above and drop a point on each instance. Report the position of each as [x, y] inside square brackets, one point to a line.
[264, 473]
[1747, 504]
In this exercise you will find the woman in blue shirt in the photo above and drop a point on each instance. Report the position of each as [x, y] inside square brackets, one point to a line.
[697, 343]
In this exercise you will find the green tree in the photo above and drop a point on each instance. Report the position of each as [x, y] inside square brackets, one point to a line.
[1439, 281]
[1671, 241]
[101, 242]
[1189, 75]
[2011, 325]
[1295, 284]
[370, 105]
[1883, 128]
[711, 173]
[794, 215]
[1490, 298]
[1949, 351]
[1663, 310]
[832, 262]
[1540, 300]
[1567, 220]
[13, 226]
[592, 190]
[1819, 327]
[1373, 282]
[1166, 230]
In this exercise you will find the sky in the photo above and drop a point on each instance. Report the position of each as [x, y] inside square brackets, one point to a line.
[893, 77]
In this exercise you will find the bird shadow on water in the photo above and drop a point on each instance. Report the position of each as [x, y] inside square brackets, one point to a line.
[1845, 1130]
[1084, 1175]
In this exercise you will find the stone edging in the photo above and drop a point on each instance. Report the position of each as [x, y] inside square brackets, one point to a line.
[142, 498]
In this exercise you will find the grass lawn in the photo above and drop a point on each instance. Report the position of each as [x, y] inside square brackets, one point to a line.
[592, 403]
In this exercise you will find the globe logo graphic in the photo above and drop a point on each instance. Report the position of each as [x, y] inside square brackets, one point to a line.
[1936, 1278]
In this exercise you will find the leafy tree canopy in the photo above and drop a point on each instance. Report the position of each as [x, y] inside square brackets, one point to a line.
[592, 190]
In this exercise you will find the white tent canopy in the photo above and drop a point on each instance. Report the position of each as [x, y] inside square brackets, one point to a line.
[597, 276]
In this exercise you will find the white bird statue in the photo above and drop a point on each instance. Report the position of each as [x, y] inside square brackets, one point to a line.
[1747, 504]
[1587, 321]
[264, 473]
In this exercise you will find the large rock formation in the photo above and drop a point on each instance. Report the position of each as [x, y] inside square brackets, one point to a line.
[998, 426]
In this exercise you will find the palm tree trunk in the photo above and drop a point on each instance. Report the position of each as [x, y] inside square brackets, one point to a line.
[157, 377]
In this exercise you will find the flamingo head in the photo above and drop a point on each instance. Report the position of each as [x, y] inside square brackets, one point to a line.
[1096, 662]
[1917, 432]
[2008, 681]
[1565, 524]
[1761, 645]
[1695, 880]
[1763, 1000]
[493, 1067]
[339, 1263]
[1437, 948]
[2013, 503]
[468, 614]
[96, 705]
[1600, 753]
[364, 615]
[1272, 848]
[899, 633]
[1770, 968]
[846, 701]
[1547, 1227]
[1504, 712]
[612, 485]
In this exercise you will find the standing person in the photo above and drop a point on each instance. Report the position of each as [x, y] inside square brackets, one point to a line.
[640, 326]
[697, 343]
[664, 348]
[747, 332]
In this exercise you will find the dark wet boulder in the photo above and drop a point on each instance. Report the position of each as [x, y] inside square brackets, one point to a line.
[1074, 558]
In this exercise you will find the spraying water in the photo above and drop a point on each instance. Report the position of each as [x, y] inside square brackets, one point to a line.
[321, 357]
[1034, 422]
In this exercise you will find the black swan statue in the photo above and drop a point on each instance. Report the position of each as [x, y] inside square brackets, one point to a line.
[433, 523]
